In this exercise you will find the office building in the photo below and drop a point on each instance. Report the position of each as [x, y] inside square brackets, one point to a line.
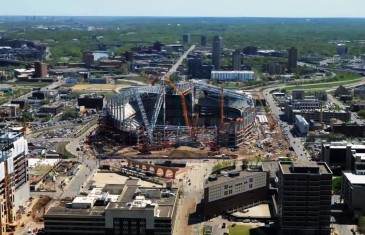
[203, 40]
[304, 198]
[102, 80]
[353, 191]
[14, 181]
[298, 95]
[316, 115]
[301, 125]
[236, 60]
[217, 47]
[186, 38]
[292, 59]
[116, 209]
[342, 49]
[250, 50]
[236, 189]
[343, 155]
[348, 129]
[206, 71]
[195, 67]
[158, 46]
[91, 101]
[40, 70]
[88, 58]
[53, 109]
[310, 109]
[128, 55]
[233, 75]
[274, 68]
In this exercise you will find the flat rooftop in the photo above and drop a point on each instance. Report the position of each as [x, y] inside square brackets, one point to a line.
[262, 210]
[223, 179]
[272, 167]
[355, 179]
[163, 206]
[100, 179]
[161, 201]
[63, 211]
[304, 168]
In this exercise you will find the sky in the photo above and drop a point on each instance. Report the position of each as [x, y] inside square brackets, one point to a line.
[215, 8]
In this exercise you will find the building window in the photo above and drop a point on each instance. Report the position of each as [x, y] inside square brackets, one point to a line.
[250, 186]
[250, 180]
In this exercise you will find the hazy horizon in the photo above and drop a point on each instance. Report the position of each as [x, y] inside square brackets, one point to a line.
[188, 8]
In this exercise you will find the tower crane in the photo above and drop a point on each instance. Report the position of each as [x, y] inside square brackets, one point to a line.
[222, 107]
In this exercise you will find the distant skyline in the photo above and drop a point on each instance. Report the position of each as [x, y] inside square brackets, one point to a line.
[212, 8]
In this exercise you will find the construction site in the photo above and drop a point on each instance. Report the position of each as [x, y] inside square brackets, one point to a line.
[14, 182]
[190, 113]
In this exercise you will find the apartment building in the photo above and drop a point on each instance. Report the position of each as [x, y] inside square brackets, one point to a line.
[304, 198]
[14, 181]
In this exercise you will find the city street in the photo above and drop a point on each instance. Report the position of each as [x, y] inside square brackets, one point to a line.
[295, 142]
[193, 186]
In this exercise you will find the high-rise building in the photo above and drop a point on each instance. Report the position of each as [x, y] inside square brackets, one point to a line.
[342, 49]
[203, 40]
[236, 60]
[186, 38]
[274, 68]
[250, 50]
[40, 70]
[217, 47]
[304, 200]
[128, 56]
[88, 58]
[292, 59]
[206, 71]
[158, 46]
[195, 67]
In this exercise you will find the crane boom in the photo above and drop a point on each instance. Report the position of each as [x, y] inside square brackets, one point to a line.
[222, 108]
[183, 101]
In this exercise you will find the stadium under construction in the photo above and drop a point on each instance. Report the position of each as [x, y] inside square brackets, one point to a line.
[172, 114]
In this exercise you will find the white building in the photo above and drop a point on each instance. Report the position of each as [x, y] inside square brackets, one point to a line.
[237, 188]
[301, 124]
[353, 192]
[233, 75]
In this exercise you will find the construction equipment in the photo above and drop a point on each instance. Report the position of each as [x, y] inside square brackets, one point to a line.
[222, 107]
[183, 101]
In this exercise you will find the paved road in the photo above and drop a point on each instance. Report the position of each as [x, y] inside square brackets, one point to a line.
[49, 87]
[295, 142]
[180, 60]
[192, 182]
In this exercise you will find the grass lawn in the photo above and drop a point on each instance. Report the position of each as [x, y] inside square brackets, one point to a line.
[251, 230]
[322, 86]
[239, 230]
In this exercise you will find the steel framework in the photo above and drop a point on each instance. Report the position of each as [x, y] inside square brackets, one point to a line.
[116, 107]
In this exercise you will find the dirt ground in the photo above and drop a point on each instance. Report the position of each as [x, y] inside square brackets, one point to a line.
[278, 146]
[32, 216]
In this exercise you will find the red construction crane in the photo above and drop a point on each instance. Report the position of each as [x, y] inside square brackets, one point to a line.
[183, 101]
